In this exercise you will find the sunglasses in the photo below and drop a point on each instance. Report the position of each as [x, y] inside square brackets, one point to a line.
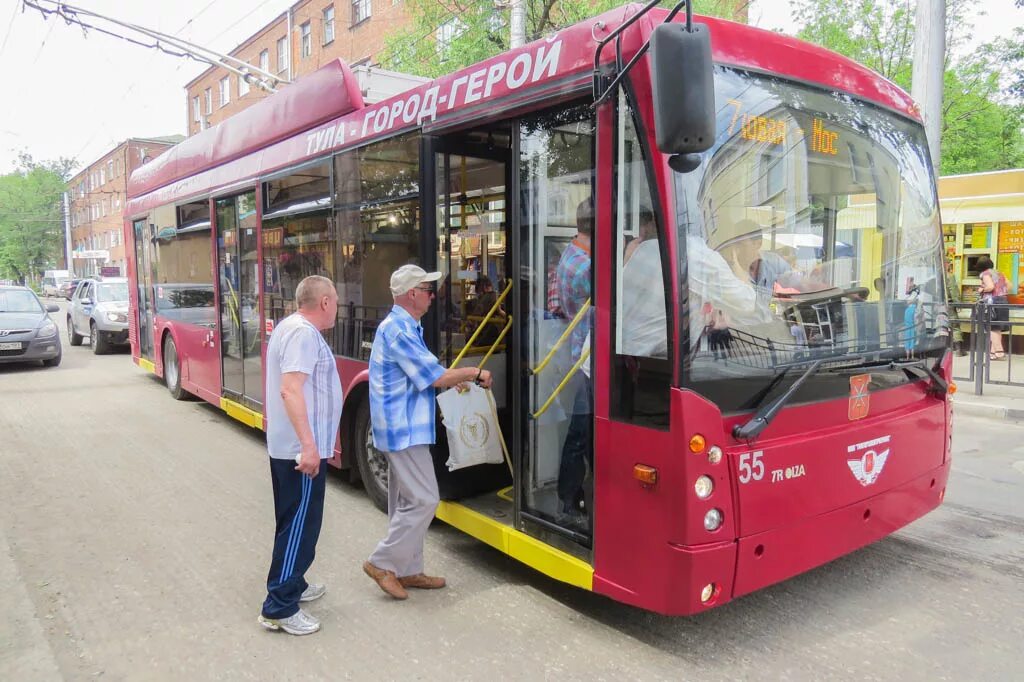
[429, 289]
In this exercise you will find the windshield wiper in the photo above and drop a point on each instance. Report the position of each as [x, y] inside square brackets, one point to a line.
[941, 385]
[760, 421]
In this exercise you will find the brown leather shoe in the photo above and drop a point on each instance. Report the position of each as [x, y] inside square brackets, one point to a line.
[422, 582]
[386, 580]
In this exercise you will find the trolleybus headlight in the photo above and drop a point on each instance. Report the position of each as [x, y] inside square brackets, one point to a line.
[712, 520]
[708, 593]
[714, 454]
[704, 487]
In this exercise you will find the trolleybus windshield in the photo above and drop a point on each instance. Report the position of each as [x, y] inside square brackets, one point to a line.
[809, 231]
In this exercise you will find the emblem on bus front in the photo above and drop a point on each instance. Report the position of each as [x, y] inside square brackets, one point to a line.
[860, 399]
[869, 467]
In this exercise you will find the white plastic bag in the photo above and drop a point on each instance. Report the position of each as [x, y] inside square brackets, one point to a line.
[472, 429]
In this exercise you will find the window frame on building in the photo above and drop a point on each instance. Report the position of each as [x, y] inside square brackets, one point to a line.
[359, 6]
[208, 100]
[225, 91]
[283, 58]
[305, 40]
[264, 60]
[328, 20]
[243, 84]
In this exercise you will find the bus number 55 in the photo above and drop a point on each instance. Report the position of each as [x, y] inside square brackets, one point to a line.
[751, 466]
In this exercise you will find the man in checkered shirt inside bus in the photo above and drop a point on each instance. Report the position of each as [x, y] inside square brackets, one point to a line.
[573, 278]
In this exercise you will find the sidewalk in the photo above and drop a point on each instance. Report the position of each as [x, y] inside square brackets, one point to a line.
[996, 402]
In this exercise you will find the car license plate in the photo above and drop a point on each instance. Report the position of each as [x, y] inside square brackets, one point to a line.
[10, 346]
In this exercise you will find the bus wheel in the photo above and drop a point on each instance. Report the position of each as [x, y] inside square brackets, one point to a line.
[172, 370]
[373, 465]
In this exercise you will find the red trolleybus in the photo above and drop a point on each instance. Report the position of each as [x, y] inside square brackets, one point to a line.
[709, 286]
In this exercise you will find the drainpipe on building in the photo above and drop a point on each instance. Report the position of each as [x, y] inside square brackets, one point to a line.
[290, 55]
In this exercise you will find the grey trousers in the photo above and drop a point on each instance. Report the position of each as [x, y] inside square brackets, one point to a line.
[412, 500]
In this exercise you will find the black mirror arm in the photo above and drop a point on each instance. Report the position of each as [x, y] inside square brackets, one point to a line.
[600, 96]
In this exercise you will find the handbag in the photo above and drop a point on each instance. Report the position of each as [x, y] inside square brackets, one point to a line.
[473, 433]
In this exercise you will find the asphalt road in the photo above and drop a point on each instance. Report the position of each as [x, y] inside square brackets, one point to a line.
[135, 533]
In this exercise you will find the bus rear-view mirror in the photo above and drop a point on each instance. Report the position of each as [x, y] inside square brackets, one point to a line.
[683, 89]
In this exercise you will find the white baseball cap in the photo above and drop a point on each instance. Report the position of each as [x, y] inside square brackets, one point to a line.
[408, 276]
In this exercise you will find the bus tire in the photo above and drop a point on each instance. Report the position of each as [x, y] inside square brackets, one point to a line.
[172, 370]
[373, 466]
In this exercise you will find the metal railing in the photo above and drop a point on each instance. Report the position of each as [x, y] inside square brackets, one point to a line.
[982, 321]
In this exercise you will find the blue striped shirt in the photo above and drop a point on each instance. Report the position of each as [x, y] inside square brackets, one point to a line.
[297, 346]
[573, 274]
[402, 376]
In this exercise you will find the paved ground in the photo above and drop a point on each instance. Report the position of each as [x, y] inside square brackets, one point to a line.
[135, 532]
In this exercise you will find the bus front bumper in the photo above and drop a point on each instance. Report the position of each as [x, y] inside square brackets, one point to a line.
[733, 569]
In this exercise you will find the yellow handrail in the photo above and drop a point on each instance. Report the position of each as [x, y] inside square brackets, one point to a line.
[480, 328]
[558, 389]
[558, 344]
[497, 341]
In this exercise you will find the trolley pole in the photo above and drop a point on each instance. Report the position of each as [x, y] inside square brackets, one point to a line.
[929, 69]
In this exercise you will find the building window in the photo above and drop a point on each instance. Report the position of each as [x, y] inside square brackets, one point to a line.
[307, 40]
[329, 25]
[225, 92]
[449, 31]
[197, 113]
[243, 83]
[361, 10]
[208, 97]
[282, 55]
[265, 61]
[110, 169]
[103, 176]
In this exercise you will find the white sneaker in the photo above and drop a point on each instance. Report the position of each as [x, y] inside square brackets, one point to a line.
[313, 592]
[299, 623]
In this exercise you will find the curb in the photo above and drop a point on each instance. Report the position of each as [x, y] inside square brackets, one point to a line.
[978, 409]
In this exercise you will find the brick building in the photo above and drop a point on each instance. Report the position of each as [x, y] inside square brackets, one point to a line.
[301, 40]
[97, 201]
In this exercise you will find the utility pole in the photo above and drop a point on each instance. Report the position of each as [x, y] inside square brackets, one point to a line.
[929, 70]
[517, 23]
[66, 204]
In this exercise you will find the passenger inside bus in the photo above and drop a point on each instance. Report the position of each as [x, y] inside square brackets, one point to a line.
[573, 283]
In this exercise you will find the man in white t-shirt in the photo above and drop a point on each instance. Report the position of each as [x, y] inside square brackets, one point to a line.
[303, 407]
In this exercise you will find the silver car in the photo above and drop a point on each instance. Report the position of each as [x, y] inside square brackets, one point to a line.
[99, 310]
[26, 330]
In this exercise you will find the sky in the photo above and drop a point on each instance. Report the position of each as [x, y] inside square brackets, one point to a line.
[74, 95]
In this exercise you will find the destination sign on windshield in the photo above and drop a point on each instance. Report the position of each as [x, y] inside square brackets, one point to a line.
[775, 130]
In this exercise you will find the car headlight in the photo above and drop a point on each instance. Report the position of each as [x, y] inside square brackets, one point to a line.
[117, 317]
[48, 328]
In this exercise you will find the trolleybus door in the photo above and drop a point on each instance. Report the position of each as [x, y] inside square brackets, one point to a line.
[238, 280]
[472, 171]
[144, 281]
[554, 312]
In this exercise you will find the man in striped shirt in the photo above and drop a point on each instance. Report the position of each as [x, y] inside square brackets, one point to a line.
[303, 394]
[403, 376]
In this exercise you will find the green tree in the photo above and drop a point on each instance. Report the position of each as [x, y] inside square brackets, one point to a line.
[446, 35]
[981, 119]
[31, 217]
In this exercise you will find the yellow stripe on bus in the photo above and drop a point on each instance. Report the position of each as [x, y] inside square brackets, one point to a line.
[242, 413]
[147, 365]
[532, 552]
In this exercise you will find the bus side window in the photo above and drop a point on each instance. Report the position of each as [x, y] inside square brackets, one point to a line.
[640, 348]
